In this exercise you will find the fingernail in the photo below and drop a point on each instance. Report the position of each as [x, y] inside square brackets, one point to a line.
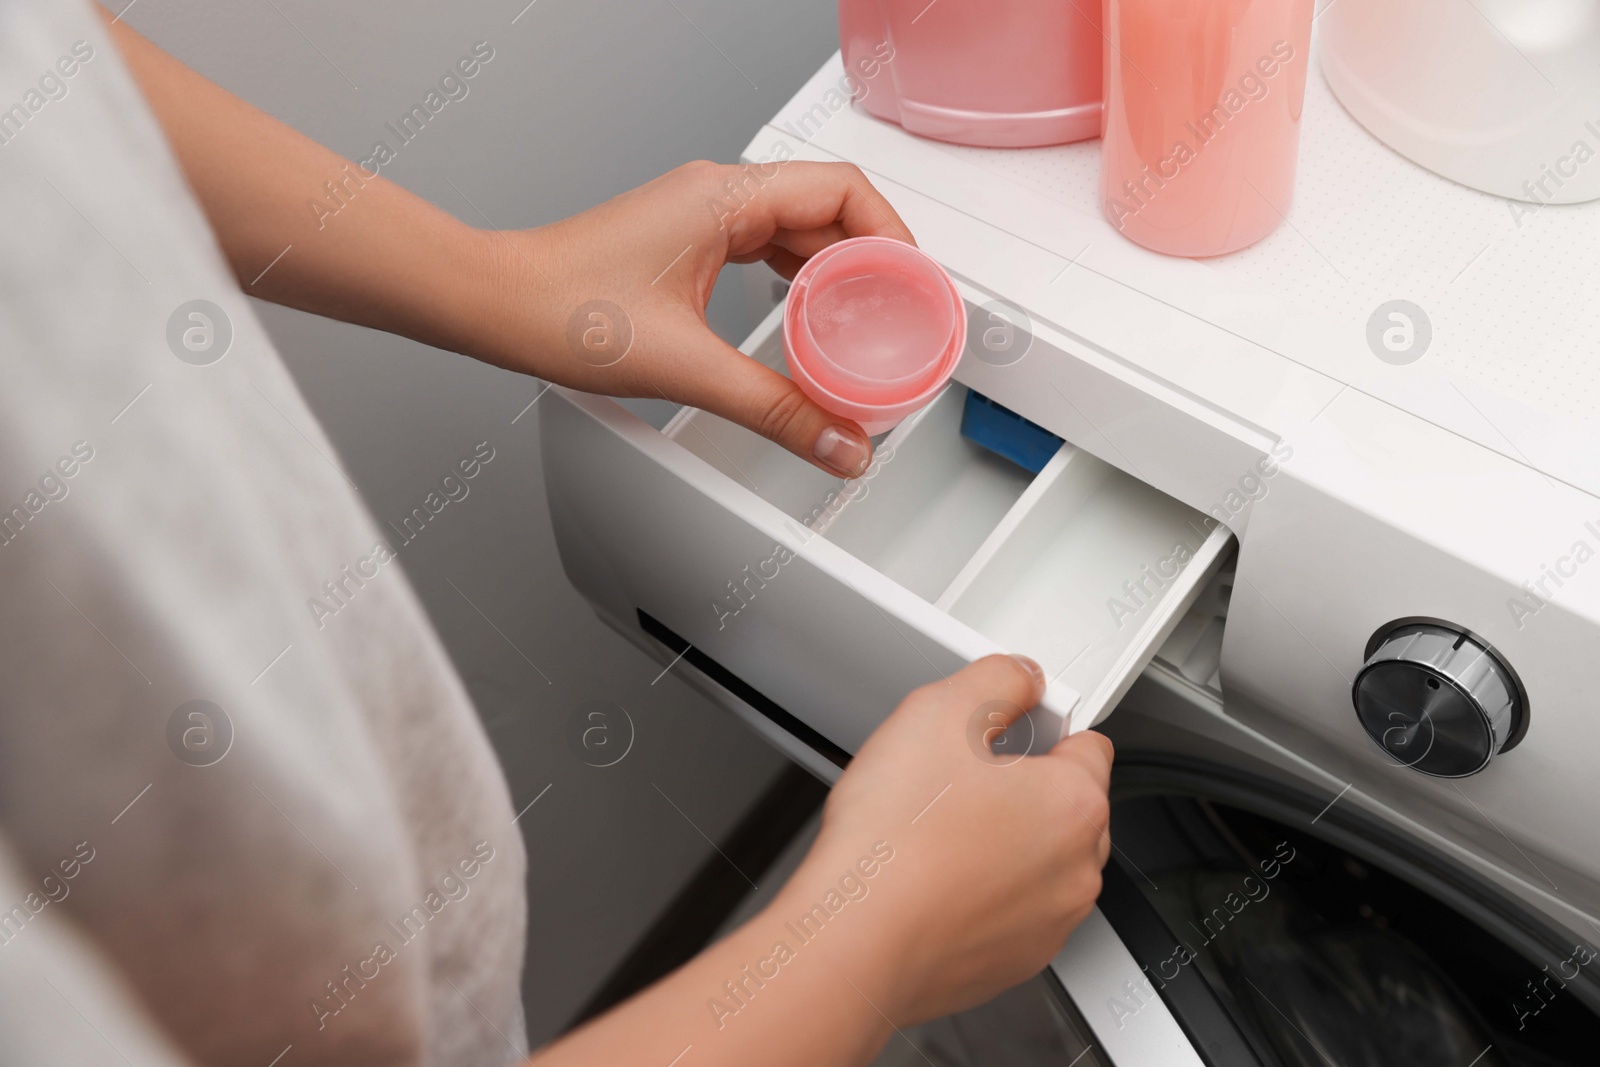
[843, 450]
[1032, 668]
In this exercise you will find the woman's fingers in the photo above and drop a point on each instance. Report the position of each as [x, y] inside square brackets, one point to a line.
[802, 198]
[657, 252]
[807, 243]
[1089, 751]
[782, 261]
[738, 388]
[1004, 686]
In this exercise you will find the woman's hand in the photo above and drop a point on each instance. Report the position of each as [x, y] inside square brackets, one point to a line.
[996, 858]
[943, 875]
[613, 300]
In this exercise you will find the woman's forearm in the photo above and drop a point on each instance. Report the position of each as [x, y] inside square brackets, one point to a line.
[797, 986]
[612, 301]
[386, 259]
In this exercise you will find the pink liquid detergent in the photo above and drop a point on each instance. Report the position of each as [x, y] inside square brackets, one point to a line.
[873, 329]
[883, 321]
[1202, 119]
[997, 73]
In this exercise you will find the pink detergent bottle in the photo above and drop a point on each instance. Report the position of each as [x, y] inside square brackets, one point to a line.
[1202, 119]
[995, 73]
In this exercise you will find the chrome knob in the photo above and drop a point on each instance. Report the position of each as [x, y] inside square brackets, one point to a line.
[1438, 700]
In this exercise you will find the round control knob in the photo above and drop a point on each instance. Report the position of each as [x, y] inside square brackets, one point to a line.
[1438, 700]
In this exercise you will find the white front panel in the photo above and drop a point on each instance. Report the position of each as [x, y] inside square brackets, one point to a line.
[1117, 1000]
[643, 525]
[1320, 573]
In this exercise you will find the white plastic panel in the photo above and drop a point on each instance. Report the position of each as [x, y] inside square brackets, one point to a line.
[1094, 627]
[934, 499]
[1259, 335]
[821, 594]
[778, 476]
[1103, 978]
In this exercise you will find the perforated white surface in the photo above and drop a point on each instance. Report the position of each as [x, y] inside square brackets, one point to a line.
[1516, 307]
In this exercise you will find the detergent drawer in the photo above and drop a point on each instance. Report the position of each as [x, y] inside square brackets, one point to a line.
[831, 599]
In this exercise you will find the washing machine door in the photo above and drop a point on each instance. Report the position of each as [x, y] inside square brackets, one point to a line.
[1109, 970]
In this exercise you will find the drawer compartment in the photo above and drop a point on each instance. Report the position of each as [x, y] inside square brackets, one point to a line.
[1086, 559]
[834, 598]
[930, 504]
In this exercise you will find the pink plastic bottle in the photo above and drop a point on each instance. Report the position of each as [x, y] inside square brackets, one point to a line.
[1202, 119]
[997, 73]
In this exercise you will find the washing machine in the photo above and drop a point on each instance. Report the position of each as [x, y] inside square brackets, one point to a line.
[1316, 541]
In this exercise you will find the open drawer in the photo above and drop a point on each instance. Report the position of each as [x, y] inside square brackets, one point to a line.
[833, 599]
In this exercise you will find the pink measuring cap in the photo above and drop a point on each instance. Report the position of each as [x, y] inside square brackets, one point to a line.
[873, 330]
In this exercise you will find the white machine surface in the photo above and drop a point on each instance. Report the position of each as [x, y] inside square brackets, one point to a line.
[1369, 469]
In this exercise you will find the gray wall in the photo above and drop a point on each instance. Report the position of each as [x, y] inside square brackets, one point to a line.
[583, 99]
